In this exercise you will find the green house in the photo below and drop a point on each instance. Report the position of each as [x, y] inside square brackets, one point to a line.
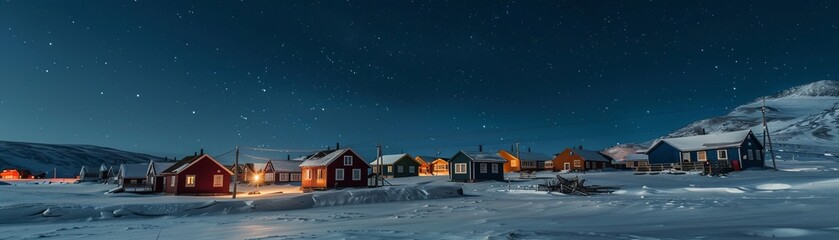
[397, 165]
[476, 166]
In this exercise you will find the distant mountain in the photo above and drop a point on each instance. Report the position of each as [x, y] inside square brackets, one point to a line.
[803, 121]
[67, 159]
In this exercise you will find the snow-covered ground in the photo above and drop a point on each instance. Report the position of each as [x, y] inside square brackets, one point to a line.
[798, 201]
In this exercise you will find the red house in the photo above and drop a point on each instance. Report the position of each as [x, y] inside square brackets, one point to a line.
[197, 175]
[340, 168]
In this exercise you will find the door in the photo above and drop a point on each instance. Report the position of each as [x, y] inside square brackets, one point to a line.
[566, 166]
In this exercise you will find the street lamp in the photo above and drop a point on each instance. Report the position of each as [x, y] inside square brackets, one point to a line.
[256, 181]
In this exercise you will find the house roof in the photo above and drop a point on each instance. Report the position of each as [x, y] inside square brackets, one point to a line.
[590, 155]
[325, 160]
[286, 166]
[635, 157]
[158, 167]
[390, 159]
[484, 156]
[258, 167]
[133, 170]
[430, 159]
[532, 156]
[704, 142]
[188, 161]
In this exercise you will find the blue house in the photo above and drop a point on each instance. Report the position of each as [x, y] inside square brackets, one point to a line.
[468, 166]
[740, 148]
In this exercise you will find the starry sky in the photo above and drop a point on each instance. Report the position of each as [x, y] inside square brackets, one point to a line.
[421, 77]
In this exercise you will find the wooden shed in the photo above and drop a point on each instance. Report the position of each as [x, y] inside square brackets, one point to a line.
[577, 159]
[338, 169]
[476, 166]
[397, 165]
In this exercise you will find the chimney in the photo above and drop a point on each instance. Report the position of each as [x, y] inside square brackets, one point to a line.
[512, 148]
[202, 151]
[480, 148]
[580, 147]
[337, 145]
[328, 148]
[288, 157]
[194, 154]
[528, 149]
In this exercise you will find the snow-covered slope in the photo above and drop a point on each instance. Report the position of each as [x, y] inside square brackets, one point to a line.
[67, 159]
[802, 120]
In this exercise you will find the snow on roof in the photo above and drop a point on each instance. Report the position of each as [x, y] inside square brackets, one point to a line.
[259, 167]
[325, 160]
[590, 155]
[286, 166]
[430, 159]
[532, 156]
[103, 167]
[134, 170]
[160, 166]
[484, 156]
[390, 159]
[709, 141]
[188, 161]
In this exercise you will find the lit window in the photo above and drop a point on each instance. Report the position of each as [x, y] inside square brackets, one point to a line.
[460, 168]
[308, 174]
[347, 160]
[390, 169]
[218, 180]
[356, 174]
[577, 163]
[295, 177]
[686, 157]
[320, 173]
[172, 182]
[339, 174]
[722, 154]
[190, 180]
[702, 156]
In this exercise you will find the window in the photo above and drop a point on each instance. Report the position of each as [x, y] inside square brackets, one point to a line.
[702, 156]
[549, 164]
[356, 174]
[494, 168]
[347, 160]
[577, 163]
[308, 174]
[751, 154]
[686, 157]
[269, 177]
[190, 180]
[390, 169]
[218, 180]
[339, 174]
[411, 169]
[460, 168]
[722, 154]
[400, 169]
[283, 177]
[759, 155]
[172, 182]
[483, 168]
[441, 167]
[295, 177]
[514, 163]
[320, 174]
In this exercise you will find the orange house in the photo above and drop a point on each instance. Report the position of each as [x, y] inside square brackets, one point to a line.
[524, 161]
[573, 159]
[12, 173]
[433, 165]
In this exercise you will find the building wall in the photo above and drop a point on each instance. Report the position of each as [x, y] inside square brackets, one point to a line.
[664, 153]
[489, 175]
[314, 182]
[566, 157]
[513, 164]
[473, 170]
[459, 157]
[434, 170]
[406, 163]
[358, 163]
[753, 146]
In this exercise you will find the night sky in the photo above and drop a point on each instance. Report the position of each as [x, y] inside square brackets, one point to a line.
[167, 78]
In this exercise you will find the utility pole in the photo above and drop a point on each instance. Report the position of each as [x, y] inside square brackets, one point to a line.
[236, 172]
[379, 165]
[54, 173]
[518, 157]
[766, 139]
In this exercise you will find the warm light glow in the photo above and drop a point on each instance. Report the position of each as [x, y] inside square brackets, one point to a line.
[256, 177]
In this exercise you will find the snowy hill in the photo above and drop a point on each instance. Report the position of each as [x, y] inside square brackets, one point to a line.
[803, 120]
[68, 159]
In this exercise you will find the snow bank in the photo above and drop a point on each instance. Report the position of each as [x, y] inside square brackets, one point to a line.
[44, 212]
